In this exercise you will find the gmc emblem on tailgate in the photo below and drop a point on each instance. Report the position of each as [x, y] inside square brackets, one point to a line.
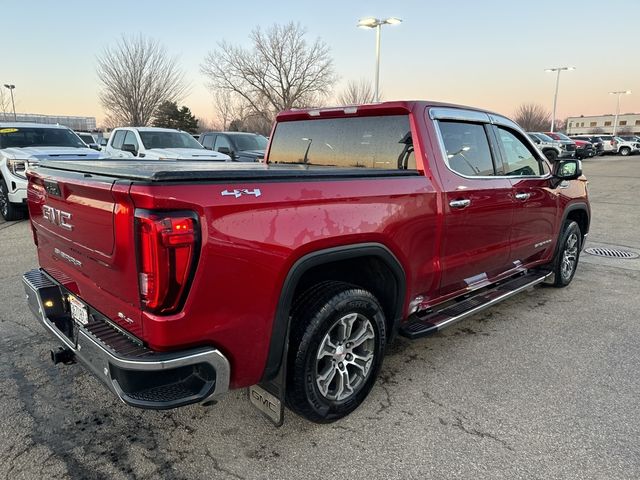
[57, 217]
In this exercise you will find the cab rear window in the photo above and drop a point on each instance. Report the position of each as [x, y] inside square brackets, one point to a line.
[382, 142]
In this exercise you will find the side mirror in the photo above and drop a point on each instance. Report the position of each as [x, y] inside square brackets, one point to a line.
[94, 146]
[129, 147]
[569, 169]
[225, 150]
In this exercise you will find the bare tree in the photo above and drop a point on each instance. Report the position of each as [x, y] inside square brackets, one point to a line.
[532, 117]
[137, 76]
[280, 71]
[356, 93]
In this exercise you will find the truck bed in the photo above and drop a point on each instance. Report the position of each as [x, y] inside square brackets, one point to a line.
[178, 171]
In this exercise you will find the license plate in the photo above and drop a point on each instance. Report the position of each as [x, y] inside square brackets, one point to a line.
[78, 311]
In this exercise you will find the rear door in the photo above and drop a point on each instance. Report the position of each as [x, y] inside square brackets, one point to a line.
[478, 206]
[536, 203]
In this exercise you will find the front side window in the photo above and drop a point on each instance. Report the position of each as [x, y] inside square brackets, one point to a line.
[222, 142]
[467, 148]
[518, 159]
[131, 139]
[382, 142]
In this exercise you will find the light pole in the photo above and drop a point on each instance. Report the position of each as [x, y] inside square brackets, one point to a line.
[376, 23]
[11, 87]
[555, 97]
[615, 119]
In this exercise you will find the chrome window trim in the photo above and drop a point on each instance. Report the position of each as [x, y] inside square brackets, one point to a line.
[459, 114]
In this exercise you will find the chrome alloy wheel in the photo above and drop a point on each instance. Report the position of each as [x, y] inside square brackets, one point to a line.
[570, 256]
[345, 357]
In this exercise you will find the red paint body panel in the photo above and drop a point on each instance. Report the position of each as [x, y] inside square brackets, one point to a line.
[249, 245]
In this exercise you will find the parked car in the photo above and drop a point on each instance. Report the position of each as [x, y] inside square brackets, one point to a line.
[240, 146]
[626, 147]
[584, 149]
[89, 139]
[630, 138]
[596, 141]
[567, 143]
[154, 143]
[552, 149]
[173, 284]
[25, 144]
[609, 143]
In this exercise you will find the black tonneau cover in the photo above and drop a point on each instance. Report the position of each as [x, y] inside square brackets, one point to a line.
[179, 170]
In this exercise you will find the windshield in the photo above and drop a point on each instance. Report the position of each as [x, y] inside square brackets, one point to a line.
[250, 142]
[159, 139]
[545, 138]
[562, 136]
[19, 137]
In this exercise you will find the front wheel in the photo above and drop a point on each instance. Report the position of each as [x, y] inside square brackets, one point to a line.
[566, 260]
[10, 211]
[624, 151]
[336, 347]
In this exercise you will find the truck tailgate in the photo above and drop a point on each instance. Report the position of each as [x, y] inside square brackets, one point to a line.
[83, 225]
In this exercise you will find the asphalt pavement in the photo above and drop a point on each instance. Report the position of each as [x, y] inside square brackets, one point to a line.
[545, 385]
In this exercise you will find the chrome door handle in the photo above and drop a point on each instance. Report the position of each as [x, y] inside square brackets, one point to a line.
[522, 196]
[460, 203]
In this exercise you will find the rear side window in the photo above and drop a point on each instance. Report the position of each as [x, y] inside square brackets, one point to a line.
[518, 159]
[467, 148]
[382, 142]
[207, 141]
[118, 139]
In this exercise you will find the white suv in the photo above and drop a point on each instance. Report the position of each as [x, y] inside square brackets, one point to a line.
[23, 144]
[153, 143]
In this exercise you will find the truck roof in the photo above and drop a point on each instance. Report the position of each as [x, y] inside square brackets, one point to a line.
[382, 108]
[149, 129]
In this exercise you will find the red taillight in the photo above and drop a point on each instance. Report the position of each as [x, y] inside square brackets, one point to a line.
[167, 247]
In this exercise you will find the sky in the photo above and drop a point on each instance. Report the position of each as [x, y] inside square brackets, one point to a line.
[490, 54]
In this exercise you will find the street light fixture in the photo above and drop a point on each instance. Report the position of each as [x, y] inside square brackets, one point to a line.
[617, 94]
[371, 22]
[11, 87]
[555, 97]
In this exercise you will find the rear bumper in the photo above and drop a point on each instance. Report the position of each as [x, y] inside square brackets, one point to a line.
[138, 376]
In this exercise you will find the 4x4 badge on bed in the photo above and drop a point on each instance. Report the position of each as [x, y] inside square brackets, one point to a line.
[238, 193]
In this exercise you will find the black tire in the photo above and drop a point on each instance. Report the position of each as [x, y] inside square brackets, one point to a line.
[567, 255]
[551, 155]
[319, 317]
[9, 211]
[624, 151]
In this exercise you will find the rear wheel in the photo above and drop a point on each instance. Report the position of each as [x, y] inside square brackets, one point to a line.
[624, 151]
[551, 155]
[9, 211]
[566, 259]
[336, 348]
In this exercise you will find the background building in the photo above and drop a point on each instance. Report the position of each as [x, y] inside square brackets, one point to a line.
[86, 124]
[628, 124]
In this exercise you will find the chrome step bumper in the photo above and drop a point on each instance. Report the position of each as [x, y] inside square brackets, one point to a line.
[140, 377]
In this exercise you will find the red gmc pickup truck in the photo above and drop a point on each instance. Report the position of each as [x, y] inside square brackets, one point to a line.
[173, 282]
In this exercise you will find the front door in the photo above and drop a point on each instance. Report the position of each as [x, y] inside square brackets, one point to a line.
[478, 208]
[536, 203]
